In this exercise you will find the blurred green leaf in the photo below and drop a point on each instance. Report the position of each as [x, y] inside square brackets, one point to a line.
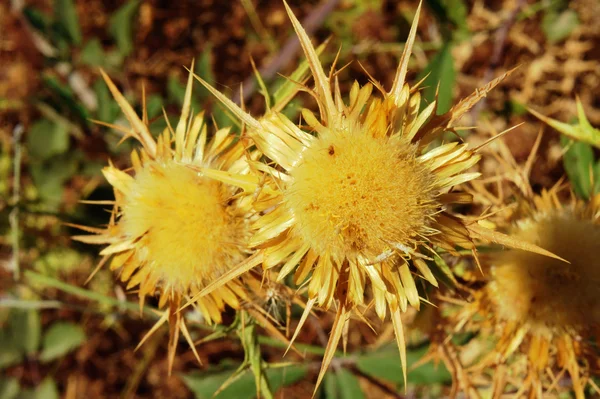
[349, 387]
[66, 98]
[46, 139]
[204, 69]
[578, 162]
[47, 390]
[65, 15]
[120, 26]
[27, 330]
[50, 176]
[517, 108]
[582, 131]
[108, 109]
[557, 26]
[223, 117]
[385, 364]
[440, 71]
[10, 354]
[204, 385]
[176, 93]
[60, 339]
[93, 53]
[454, 13]
[58, 260]
[330, 388]
[37, 19]
[9, 388]
[154, 104]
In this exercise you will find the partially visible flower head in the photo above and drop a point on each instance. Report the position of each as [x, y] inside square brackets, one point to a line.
[543, 313]
[547, 294]
[172, 230]
[356, 202]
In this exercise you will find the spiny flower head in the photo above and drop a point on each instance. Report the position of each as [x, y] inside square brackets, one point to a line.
[172, 230]
[542, 312]
[548, 294]
[355, 202]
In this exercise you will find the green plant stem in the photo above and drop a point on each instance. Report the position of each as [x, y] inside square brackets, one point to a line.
[38, 278]
[35, 277]
[16, 198]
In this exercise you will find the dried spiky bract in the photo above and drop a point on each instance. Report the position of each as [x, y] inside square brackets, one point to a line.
[172, 230]
[355, 203]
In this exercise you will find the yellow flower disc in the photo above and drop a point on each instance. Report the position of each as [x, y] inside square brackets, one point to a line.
[188, 236]
[354, 194]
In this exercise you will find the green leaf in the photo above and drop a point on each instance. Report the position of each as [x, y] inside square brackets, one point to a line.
[47, 390]
[557, 26]
[453, 13]
[385, 364]
[9, 388]
[154, 104]
[20, 336]
[582, 131]
[578, 162]
[348, 384]
[330, 387]
[37, 19]
[46, 139]
[517, 108]
[204, 385]
[440, 71]
[204, 69]
[27, 330]
[93, 53]
[65, 98]
[65, 15]
[50, 176]
[10, 354]
[60, 339]
[176, 93]
[120, 26]
[108, 109]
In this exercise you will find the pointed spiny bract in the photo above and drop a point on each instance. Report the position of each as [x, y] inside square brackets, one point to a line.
[543, 313]
[174, 230]
[357, 202]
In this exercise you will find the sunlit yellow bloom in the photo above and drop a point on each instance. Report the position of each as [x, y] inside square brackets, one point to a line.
[172, 230]
[356, 203]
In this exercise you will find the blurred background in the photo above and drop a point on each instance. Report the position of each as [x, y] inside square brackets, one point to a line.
[60, 337]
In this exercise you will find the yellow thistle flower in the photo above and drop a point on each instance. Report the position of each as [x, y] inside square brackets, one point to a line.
[358, 200]
[544, 313]
[172, 230]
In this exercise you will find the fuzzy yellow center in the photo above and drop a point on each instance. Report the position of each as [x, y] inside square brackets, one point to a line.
[354, 194]
[187, 236]
[546, 292]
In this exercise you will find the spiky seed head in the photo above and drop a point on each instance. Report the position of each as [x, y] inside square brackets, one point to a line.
[548, 294]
